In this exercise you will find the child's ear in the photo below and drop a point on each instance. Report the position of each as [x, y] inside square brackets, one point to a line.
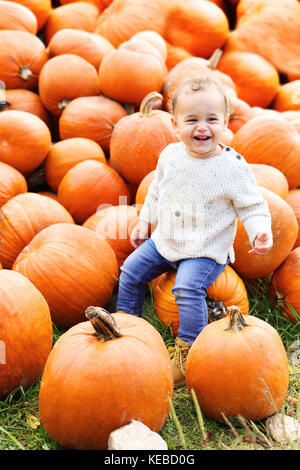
[174, 123]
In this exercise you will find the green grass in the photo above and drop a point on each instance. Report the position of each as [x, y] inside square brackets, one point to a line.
[186, 427]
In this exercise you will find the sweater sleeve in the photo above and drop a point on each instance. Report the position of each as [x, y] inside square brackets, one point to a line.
[249, 204]
[149, 210]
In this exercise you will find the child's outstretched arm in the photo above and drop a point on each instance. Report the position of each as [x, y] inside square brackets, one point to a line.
[262, 244]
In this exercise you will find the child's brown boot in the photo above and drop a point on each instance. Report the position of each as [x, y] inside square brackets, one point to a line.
[178, 355]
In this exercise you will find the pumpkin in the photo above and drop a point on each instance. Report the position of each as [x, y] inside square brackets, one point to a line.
[49, 194]
[272, 140]
[240, 114]
[101, 4]
[12, 182]
[228, 288]
[22, 309]
[77, 15]
[40, 8]
[22, 217]
[114, 225]
[143, 188]
[198, 27]
[64, 78]
[124, 18]
[17, 17]
[24, 140]
[288, 97]
[25, 100]
[155, 39]
[175, 55]
[22, 55]
[250, 380]
[91, 185]
[194, 67]
[110, 385]
[285, 231]
[285, 285]
[256, 79]
[71, 267]
[63, 155]
[130, 152]
[270, 19]
[121, 70]
[293, 200]
[141, 46]
[271, 178]
[91, 47]
[93, 117]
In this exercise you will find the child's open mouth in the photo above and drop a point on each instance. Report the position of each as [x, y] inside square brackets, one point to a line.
[202, 138]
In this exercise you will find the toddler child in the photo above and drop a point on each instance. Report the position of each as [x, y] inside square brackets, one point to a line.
[199, 189]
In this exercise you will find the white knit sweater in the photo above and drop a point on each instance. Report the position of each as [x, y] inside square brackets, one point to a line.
[196, 202]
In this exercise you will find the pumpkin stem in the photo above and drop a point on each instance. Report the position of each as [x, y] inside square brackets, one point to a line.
[103, 322]
[236, 319]
[213, 61]
[4, 104]
[25, 72]
[147, 103]
[63, 103]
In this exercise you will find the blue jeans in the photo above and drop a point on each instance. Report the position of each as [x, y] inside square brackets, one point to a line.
[194, 276]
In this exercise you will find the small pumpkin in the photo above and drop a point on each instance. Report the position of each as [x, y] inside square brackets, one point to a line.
[40, 8]
[17, 17]
[175, 55]
[130, 152]
[152, 37]
[22, 217]
[23, 310]
[110, 385]
[285, 285]
[71, 267]
[93, 117]
[143, 187]
[65, 154]
[271, 178]
[238, 366]
[228, 289]
[64, 78]
[293, 200]
[288, 97]
[90, 185]
[12, 182]
[25, 100]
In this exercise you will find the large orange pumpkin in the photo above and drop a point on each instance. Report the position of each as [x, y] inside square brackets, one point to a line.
[286, 285]
[152, 37]
[120, 377]
[271, 178]
[65, 154]
[293, 200]
[114, 225]
[40, 8]
[91, 47]
[22, 55]
[272, 140]
[17, 17]
[285, 231]
[25, 332]
[93, 117]
[238, 366]
[228, 288]
[12, 182]
[130, 152]
[22, 217]
[90, 185]
[72, 268]
[24, 140]
[64, 78]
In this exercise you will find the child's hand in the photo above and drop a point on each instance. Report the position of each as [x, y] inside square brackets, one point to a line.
[262, 244]
[139, 234]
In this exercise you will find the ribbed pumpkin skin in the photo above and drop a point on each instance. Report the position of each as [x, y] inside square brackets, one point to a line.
[286, 284]
[252, 377]
[93, 117]
[271, 140]
[229, 288]
[114, 224]
[72, 268]
[20, 49]
[17, 17]
[65, 154]
[22, 217]
[88, 186]
[24, 140]
[12, 182]
[285, 231]
[293, 200]
[25, 332]
[82, 402]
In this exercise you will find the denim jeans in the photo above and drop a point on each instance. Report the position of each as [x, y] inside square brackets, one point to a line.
[194, 276]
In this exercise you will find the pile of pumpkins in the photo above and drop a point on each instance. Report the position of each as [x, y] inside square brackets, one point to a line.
[85, 88]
